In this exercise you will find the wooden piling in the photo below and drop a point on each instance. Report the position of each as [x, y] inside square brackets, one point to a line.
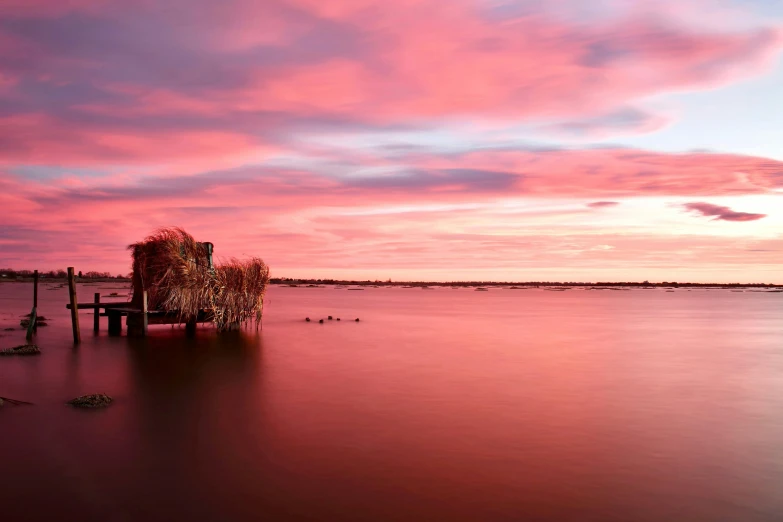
[115, 322]
[77, 336]
[35, 289]
[138, 320]
[190, 328]
[32, 325]
[96, 320]
[144, 311]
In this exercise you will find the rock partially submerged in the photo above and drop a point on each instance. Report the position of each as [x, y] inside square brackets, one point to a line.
[98, 400]
[24, 349]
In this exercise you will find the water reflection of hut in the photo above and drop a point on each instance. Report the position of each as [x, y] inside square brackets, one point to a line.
[181, 281]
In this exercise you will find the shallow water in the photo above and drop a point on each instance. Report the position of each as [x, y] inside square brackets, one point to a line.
[510, 405]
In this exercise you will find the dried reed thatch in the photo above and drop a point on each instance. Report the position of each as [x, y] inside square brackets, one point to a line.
[97, 400]
[177, 273]
[25, 349]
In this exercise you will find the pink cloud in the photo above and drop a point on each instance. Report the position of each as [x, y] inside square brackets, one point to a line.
[721, 213]
[267, 69]
[433, 216]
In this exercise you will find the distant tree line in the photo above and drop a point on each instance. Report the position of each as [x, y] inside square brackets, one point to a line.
[637, 284]
[10, 273]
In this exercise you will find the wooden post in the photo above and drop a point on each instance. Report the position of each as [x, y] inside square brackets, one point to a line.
[31, 325]
[77, 336]
[190, 327]
[115, 322]
[137, 320]
[96, 320]
[144, 310]
[35, 289]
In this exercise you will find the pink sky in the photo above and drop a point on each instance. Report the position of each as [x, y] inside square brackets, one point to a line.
[412, 140]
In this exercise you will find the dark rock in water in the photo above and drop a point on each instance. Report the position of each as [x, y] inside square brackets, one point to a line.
[98, 400]
[24, 349]
[330, 317]
[307, 319]
[321, 321]
[338, 318]
[357, 319]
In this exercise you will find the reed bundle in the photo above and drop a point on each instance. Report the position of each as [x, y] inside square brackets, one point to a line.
[176, 272]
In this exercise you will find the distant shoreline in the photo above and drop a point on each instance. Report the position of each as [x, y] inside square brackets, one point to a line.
[518, 284]
[460, 284]
[43, 280]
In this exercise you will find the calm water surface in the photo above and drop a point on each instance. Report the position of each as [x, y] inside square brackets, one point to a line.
[443, 404]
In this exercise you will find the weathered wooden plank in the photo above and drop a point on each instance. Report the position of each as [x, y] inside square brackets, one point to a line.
[92, 306]
[77, 335]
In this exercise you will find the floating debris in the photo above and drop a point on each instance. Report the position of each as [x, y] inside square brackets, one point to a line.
[321, 321]
[9, 329]
[24, 349]
[98, 400]
[357, 319]
[307, 319]
[330, 317]
[338, 318]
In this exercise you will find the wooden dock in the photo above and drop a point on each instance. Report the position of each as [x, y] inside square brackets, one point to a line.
[138, 317]
[137, 320]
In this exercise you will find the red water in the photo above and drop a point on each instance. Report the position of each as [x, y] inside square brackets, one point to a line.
[443, 404]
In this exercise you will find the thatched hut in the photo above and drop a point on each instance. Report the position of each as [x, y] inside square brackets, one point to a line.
[180, 278]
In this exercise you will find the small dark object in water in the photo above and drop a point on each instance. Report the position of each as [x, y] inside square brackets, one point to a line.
[98, 400]
[12, 401]
[10, 329]
[321, 321]
[39, 322]
[357, 319]
[24, 349]
[338, 318]
[307, 319]
[330, 317]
